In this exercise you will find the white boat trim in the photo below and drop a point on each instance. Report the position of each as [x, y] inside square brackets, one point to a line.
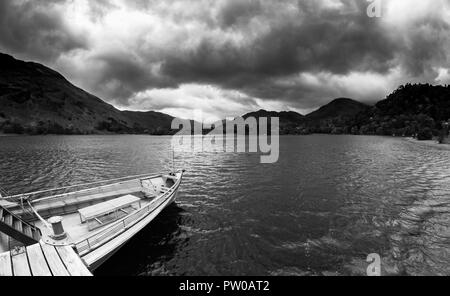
[97, 246]
[99, 255]
[29, 195]
[123, 232]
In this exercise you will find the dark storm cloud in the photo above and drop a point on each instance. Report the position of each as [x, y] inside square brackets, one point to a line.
[317, 40]
[236, 12]
[36, 29]
[339, 45]
[127, 73]
[300, 53]
[337, 41]
[428, 43]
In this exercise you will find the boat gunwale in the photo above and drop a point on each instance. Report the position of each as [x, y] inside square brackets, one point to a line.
[125, 179]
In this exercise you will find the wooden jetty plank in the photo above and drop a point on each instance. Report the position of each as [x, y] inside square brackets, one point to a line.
[72, 261]
[20, 264]
[54, 262]
[37, 261]
[5, 264]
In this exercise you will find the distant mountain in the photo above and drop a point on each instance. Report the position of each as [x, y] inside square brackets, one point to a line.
[415, 99]
[286, 116]
[35, 99]
[342, 107]
[152, 122]
[419, 110]
[289, 120]
[323, 120]
[332, 117]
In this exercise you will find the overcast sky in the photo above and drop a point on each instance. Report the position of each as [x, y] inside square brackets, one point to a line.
[228, 57]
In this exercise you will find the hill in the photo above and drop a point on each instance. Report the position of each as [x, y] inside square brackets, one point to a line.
[289, 120]
[35, 99]
[330, 118]
[285, 116]
[333, 117]
[342, 107]
[418, 110]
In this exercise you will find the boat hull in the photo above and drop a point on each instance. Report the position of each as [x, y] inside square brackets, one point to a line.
[96, 245]
[97, 257]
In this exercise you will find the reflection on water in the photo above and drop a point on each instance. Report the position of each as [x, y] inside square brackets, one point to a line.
[328, 203]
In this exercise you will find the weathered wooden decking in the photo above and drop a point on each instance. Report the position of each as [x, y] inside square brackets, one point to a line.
[42, 260]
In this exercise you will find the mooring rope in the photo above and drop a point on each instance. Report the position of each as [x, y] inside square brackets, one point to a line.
[45, 223]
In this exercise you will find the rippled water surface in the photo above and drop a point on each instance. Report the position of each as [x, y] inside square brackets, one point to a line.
[328, 203]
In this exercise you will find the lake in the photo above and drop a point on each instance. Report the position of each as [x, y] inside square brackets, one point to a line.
[328, 203]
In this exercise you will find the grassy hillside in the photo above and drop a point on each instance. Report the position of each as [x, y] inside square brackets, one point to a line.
[333, 117]
[35, 99]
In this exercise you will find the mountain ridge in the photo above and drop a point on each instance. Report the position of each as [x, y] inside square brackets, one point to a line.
[337, 107]
[35, 99]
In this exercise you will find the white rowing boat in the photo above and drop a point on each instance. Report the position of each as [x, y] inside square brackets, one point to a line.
[95, 219]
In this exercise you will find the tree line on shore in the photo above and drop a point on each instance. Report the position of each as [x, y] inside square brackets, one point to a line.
[413, 110]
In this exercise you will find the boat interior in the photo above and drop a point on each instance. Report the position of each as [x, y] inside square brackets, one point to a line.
[87, 209]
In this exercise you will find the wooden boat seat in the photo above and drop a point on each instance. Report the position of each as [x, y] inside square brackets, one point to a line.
[107, 207]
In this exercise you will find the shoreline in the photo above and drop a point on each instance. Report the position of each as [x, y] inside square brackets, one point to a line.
[429, 143]
[433, 143]
[68, 135]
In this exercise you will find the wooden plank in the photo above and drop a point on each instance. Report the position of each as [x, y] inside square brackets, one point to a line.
[36, 234]
[27, 231]
[9, 219]
[54, 262]
[5, 264]
[18, 225]
[107, 207]
[72, 261]
[20, 264]
[37, 261]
